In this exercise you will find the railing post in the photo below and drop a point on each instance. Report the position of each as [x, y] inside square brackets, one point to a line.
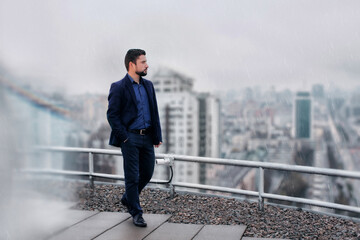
[91, 169]
[261, 188]
[171, 165]
[172, 191]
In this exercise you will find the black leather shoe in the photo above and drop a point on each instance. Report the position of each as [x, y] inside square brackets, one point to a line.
[125, 203]
[139, 221]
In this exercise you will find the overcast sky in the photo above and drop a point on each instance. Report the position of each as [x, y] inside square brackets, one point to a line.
[79, 45]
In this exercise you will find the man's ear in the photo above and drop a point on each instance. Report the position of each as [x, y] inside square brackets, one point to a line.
[131, 65]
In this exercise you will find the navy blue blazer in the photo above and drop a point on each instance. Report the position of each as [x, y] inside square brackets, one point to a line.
[122, 110]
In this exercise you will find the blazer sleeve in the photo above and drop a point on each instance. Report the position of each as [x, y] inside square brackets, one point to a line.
[114, 113]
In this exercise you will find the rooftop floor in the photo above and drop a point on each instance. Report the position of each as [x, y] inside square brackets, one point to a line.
[100, 213]
[87, 225]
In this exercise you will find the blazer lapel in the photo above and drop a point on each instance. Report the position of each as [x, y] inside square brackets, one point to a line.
[130, 89]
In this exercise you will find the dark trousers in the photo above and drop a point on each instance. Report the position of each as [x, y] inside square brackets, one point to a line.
[139, 160]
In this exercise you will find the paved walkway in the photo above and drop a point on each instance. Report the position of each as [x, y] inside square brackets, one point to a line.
[115, 226]
[38, 218]
[86, 225]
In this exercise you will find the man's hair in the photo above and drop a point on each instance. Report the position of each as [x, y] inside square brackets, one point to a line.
[132, 55]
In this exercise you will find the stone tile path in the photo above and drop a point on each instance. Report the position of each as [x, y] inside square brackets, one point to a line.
[86, 225]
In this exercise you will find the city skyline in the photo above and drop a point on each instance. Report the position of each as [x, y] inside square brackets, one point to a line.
[79, 47]
[45, 89]
[255, 126]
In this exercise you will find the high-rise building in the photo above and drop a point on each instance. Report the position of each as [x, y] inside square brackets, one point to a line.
[209, 130]
[189, 122]
[179, 122]
[318, 91]
[209, 125]
[302, 117]
[39, 122]
[355, 106]
[178, 108]
[169, 81]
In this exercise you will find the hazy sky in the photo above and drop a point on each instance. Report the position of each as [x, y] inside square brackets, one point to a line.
[79, 45]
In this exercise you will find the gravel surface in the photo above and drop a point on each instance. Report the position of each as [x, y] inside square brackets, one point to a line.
[274, 222]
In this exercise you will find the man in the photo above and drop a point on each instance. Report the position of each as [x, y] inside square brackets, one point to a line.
[134, 120]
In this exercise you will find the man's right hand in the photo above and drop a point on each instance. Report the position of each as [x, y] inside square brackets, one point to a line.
[158, 145]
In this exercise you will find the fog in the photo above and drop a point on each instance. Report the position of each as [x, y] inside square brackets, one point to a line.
[7, 153]
[79, 46]
[25, 213]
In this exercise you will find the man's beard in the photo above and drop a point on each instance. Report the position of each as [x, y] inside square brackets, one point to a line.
[141, 74]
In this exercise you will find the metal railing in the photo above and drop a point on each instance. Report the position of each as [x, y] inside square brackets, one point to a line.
[169, 159]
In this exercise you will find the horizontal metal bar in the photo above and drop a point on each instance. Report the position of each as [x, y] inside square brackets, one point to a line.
[86, 174]
[216, 188]
[54, 171]
[88, 150]
[270, 196]
[79, 150]
[221, 161]
[269, 165]
[108, 176]
[120, 177]
[312, 202]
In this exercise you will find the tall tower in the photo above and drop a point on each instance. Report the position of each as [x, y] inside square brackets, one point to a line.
[302, 117]
[178, 111]
[318, 91]
[209, 130]
[190, 123]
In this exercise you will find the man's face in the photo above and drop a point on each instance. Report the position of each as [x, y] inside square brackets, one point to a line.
[141, 66]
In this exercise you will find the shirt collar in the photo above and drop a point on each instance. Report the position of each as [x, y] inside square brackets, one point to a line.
[132, 80]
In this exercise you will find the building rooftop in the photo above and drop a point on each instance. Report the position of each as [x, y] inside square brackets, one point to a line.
[303, 94]
[201, 209]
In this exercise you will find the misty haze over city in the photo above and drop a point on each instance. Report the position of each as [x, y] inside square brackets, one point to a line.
[79, 46]
[272, 82]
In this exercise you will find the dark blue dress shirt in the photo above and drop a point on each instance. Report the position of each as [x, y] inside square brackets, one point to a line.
[143, 119]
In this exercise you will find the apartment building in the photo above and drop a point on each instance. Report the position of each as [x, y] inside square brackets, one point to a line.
[189, 121]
